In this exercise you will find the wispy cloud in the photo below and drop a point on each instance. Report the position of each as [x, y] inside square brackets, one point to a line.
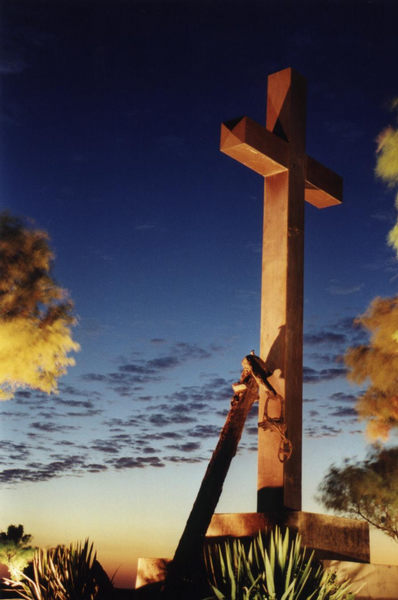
[336, 337]
[38, 471]
[185, 447]
[131, 374]
[12, 451]
[145, 226]
[136, 429]
[344, 411]
[12, 65]
[311, 375]
[127, 462]
[337, 288]
[343, 397]
[325, 337]
[50, 427]
[322, 431]
[163, 428]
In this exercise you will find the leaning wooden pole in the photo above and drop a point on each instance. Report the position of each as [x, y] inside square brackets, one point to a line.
[187, 560]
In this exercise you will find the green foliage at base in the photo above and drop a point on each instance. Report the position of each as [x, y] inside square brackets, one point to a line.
[64, 573]
[365, 490]
[15, 550]
[274, 567]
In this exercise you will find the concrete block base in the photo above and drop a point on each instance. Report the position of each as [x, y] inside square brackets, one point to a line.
[331, 537]
[343, 545]
[150, 570]
[374, 582]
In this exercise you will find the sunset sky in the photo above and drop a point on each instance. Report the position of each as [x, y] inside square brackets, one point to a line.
[110, 122]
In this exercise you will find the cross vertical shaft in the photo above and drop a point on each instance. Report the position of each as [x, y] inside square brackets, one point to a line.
[282, 292]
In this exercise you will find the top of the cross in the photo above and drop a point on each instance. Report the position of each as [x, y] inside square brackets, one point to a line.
[286, 106]
[281, 144]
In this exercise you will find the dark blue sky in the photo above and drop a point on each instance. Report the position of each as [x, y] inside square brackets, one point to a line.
[111, 114]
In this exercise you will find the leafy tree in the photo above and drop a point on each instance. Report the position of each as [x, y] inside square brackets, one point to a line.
[35, 313]
[387, 167]
[369, 489]
[366, 490]
[377, 362]
[15, 550]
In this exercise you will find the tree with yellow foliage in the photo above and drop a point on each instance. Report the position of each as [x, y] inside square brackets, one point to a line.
[377, 362]
[369, 489]
[35, 313]
[387, 168]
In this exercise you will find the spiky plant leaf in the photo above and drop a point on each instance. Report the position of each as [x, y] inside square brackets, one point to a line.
[269, 576]
[275, 569]
[288, 594]
[283, 548]
[63, 573]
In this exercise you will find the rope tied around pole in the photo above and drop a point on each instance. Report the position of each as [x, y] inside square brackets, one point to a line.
[277, 423]
[274, 408]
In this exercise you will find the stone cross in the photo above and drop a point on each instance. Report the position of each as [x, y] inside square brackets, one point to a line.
[277, 152]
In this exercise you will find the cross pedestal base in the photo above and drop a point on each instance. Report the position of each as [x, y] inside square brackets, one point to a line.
[376, 582]
[331, 537]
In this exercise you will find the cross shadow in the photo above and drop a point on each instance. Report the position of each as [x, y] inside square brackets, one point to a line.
[274, 361]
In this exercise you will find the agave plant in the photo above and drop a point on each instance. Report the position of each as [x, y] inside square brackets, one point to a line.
[64, 573]
[275, 567]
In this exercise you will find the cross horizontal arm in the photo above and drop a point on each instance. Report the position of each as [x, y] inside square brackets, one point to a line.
[254, 146]
[262, 151]
[323, 187]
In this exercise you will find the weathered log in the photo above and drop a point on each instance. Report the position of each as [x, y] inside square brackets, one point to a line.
[187, 561]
